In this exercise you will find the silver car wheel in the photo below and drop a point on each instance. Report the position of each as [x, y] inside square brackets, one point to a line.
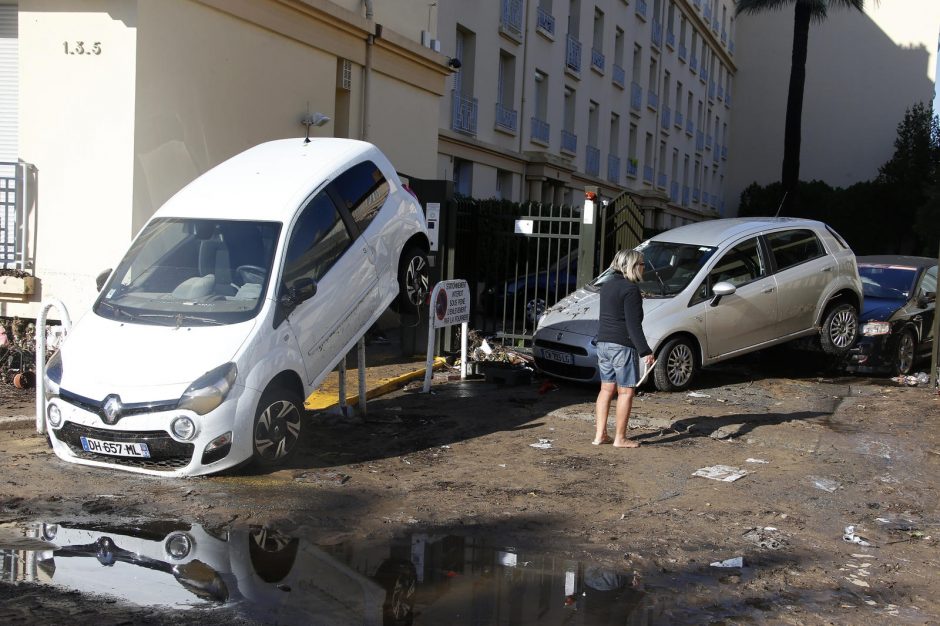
[277, 430]
[844, 329]
[679, 365]
[905, 357]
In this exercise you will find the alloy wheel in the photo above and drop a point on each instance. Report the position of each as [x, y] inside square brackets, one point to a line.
[844, 329]
[416, 280]
[905, 357]
[679, 365]
[277, 430]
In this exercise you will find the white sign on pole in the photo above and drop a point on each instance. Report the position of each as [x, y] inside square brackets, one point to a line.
[450, 304]
[588, 215]
[524, 227]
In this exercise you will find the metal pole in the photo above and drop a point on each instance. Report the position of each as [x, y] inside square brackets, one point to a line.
[361, 357]
[41, 357]
[341, 370]
[936, 340]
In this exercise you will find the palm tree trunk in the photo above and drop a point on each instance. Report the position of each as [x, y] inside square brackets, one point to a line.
[790, 177]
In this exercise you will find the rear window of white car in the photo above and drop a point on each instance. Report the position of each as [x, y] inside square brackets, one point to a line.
[362, 190]
[792, 247]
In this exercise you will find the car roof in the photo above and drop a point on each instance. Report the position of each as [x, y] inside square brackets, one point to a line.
[896, 259]
[268, 181]
[715, 232]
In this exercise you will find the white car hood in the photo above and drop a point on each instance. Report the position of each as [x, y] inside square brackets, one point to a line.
[578, 312]
[102, 356]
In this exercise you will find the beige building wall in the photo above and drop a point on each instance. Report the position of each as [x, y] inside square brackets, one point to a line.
[862, 72]
[178, 87]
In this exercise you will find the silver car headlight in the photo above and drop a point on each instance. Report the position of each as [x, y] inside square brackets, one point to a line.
[52, 375]
[870, 329]
[209, 390]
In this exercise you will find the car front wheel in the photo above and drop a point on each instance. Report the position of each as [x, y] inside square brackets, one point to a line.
[839, 330]
[904, 355]
[277, 426]
[676, 365]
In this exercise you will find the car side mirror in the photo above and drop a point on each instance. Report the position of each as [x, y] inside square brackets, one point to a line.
[926, 298]
[300, 290]
[721, 290]
[102, 278]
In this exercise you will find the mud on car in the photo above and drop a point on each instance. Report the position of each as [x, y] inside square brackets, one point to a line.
[233, 303]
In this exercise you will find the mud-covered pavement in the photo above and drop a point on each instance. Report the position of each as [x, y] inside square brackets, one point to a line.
[445, 496]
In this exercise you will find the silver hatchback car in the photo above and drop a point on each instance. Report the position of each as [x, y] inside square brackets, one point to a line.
[715, 290]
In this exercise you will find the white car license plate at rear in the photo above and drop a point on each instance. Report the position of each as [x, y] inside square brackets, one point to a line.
[560, 357]
[116, 448]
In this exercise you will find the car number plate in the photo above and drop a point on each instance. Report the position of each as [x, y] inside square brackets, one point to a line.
[558, 357]
[116, 448]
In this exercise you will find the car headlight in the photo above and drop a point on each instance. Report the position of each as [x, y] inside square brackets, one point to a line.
[870, 329]
[52, 375]
[209, 390]
[178, 545]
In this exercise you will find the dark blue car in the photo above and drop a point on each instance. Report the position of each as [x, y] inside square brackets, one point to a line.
[897, 318]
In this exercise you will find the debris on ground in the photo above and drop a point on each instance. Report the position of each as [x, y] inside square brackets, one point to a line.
[737, 561]
[749, 460]
[913, 380]
[767, 537]
[697, 394]
[322, 478]
[826, 484]
[724, 473]
[542, 444]
[849, 536]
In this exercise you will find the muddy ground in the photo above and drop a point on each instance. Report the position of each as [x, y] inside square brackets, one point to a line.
[822, 452]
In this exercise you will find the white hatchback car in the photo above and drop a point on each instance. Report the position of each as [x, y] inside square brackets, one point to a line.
[718, 289]
[233, 303]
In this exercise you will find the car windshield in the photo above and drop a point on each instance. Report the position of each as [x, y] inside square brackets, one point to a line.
[670, 267]
[192, 272]
[887, 281]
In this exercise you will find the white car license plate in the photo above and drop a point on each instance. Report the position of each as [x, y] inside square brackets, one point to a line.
[558, 357]
[116, 448]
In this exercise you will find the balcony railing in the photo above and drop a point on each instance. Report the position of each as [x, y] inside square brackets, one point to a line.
[671, 39]
[569, 142]
[652, 100]
[685, 195]
[656, 33]
[695, 194]
[689, 126]
[679, 119]
[632, 167]
[724, 153]
[699, 140]
[573, 54]
[511, 17]
[592, 160]
[683, 53]
[545, 22]
[539, 130]
[464, 118]
[507, 119]
[693, 63]
[648, 174]
[708, 141]
[613, 168]
[665, 121]
[641, 8]
[636, 96]
[597, 60]
[674, 191]
[661, 180]
[618, 75]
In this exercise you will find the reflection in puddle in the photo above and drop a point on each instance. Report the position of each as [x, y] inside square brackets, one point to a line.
[421, 578]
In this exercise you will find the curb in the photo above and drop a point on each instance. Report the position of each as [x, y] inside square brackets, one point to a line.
[323, 402]
[15, 422]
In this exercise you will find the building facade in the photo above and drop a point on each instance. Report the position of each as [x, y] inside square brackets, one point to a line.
[554, 95]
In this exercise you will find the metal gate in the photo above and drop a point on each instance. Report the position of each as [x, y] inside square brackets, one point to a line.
[621, 228]
[14, 203]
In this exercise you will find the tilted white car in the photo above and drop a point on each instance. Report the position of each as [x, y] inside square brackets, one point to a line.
[718, 289]
[233, 303]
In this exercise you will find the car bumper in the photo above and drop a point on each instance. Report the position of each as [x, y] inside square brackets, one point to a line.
[872, 354]
[168, 455]
[573, 357]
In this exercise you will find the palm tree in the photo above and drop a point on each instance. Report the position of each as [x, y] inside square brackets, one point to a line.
[805, 12]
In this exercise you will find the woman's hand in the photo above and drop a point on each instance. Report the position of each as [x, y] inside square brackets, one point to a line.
[648, 359]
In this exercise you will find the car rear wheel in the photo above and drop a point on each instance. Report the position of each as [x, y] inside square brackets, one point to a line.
[413, 279]
[676, 365]
[904, 355]
[277, 427]
[839, 330]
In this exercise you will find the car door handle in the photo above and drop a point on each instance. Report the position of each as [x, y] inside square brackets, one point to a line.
[769, 290]
[827, 268]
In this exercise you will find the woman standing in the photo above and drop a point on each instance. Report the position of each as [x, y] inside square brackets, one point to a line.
[620, 344]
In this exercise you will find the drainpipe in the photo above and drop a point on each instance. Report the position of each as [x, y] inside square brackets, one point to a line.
[367, 73]
[524, 186]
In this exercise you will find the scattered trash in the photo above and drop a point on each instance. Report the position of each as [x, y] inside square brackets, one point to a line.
[898, 522]
[737, 561]
[485, 347]
[724, 473]
[755, 461]
[542, 444]
[826, 484]
[920, 378]
[850, 536]
[696, 394]
[767, 537]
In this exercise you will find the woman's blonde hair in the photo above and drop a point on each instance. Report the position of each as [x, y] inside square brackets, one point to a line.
[629, 263]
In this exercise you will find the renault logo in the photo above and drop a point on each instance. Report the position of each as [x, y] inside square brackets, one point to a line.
[112, 409]
[559, 336]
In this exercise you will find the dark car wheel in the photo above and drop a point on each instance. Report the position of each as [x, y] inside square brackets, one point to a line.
[278, 422]
[839, 329]
[400, 580]
[904, 354]
[676, 365]
[413, 279]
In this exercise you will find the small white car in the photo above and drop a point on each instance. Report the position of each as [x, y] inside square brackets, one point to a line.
[718, 289]
[233, 303]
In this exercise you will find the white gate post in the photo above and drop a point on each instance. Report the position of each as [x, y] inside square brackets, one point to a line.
[41, 357]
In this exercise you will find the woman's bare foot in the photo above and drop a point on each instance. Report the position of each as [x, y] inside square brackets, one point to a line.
[626, 443]
[603, 440]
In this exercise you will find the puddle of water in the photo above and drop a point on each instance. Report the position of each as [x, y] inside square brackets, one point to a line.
[421, 578]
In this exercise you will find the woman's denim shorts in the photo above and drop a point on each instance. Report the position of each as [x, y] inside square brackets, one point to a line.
[618, 364]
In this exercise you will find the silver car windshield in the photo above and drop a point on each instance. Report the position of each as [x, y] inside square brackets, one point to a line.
[670, 267]
[192, 272]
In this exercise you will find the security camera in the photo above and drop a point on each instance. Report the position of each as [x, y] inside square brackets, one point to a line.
[454, 63]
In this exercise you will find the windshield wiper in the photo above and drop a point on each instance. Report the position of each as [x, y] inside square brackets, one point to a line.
[179, 318]
[119, 310]
[659, 278]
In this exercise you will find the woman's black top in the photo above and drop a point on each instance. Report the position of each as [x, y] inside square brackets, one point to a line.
[621, 316]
